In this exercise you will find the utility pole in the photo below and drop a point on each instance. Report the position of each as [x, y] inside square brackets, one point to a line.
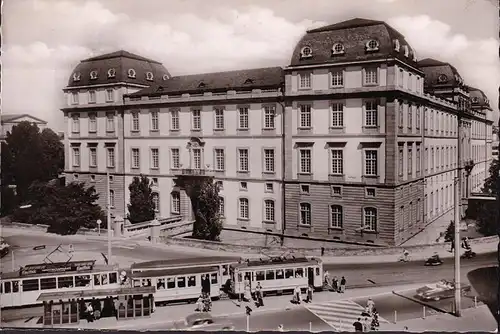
[458, 216]
[108, 187]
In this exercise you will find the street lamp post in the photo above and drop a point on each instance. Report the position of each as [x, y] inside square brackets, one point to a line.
[458, 216]
[108, 187]
[99, 222]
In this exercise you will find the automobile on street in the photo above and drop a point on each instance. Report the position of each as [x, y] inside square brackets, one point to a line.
[441, 290]
[203, 321]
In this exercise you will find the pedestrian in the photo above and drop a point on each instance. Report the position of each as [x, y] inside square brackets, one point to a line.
[358, 326]
[327, 277]
[366, 324]
[335, 284]
[342, 284]
[296, 295]
[90, 313]
[370, 305]
[309, 294]
[375, 324]
[259, 295]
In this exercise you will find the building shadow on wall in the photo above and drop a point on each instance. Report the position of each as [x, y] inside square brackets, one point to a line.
[485, 282]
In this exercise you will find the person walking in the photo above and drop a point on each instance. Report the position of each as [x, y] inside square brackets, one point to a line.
[370, 305]
[342, 284]
[358, 326]
[90, 313]
[366, 324]
[335, 284]
[259, 296]
[297, 295]
[309, 294]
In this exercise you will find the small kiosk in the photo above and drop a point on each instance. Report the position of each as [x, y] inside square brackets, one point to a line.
[69, 307]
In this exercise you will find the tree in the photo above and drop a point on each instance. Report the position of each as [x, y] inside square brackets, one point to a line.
[29, 155]
[141, 207]
[449, 235]
[65, 208]
[205, 201]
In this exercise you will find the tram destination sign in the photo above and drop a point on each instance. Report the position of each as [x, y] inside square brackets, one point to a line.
[57, 267]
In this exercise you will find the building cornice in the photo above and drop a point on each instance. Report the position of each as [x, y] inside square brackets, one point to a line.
[105, 85]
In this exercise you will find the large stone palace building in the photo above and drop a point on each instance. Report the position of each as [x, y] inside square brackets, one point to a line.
[355, 140]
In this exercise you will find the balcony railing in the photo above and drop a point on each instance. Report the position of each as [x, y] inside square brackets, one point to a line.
[193, 172]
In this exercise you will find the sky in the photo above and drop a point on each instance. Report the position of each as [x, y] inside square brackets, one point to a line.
[43, 40]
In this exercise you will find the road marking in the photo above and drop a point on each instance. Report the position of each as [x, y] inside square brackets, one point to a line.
[339, 314]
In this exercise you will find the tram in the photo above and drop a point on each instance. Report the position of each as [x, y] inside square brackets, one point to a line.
[178, 284]
[223, 263]
[23, 287]
[277, 275]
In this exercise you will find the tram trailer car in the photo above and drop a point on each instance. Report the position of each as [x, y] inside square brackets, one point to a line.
[278, 275]
[223, 263]
[178, 284]
[22, 288]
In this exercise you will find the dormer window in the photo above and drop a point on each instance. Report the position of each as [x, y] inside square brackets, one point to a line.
[131, 73]
[414, 56]
[397, 46]
[372, 45]
[306, 52]
[165, 77]
[93, 75]
[76, 76]
[475, 100]
[407, 50]
[248, 82]
[149, 76]
[201, 85]
[442, 78]
[338, 49]
[111, 73]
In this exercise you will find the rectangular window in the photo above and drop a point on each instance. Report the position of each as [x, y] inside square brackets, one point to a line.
[196, 115]
[305, 80]
[337, 115]
[30, 285]
[305, 214]
[155, 158]
[337, 157]
[112, 198]
[432, 159]
[410, 116]
[176, 203]
[93, 156]
[110, 122]
[371, 76]
[196, 158]
[371, 113]
[155, 122]
[426, 159]
[417, 162]
[74, 98]
[401, 115]
[244, 209]
[401, 78]
[92, 123]
[337, 78]
[175, 158]
[400, 160]
[371, 162]
[110, 96]
[135, 121]
[220, 159]
[111, 157]
[174, 120]
[370, 219]
[219, 119]
[269, 115]
[336, 216]
[269, 160]
[76, 157]
[417, 118]
[243, 118]
[410, 161]
[75, 123]
[92, 96]
[305, 161]
[305, 116]
[243, 160]
[269, 210]
[135, 158]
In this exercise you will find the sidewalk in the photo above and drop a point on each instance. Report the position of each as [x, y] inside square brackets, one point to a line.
[472, 320]
[222, 308]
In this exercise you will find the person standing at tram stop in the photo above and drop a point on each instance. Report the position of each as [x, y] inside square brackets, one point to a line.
[297, 295]
[335, 284]
[343, 282]
[309, 294]
[259, 296]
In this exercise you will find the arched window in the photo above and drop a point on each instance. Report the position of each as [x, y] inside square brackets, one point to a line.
[165, 77]
[176, 203]
[336, 216]
[149, 76]
[372, 45]
[243, 208]
[397, 45]
[156, 202]
[131, 73]
[93, 75]
[370, 219]
[112, 198]
[269, 210]
[76, 76]
[338, 48]
[111, 73]
[306, 52]
[305, 214]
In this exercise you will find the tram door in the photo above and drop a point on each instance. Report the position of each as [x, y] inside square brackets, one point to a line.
[310, 276]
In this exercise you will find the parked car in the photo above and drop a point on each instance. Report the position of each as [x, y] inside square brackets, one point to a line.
[441, 290]
[203, 321]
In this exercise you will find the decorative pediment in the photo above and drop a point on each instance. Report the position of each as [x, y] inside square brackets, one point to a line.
[196, 142]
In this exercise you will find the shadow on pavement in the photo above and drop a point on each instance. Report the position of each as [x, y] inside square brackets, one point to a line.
[485, 282]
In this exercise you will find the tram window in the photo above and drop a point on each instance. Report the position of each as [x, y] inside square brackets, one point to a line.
[97, 279]
[259, 276]
[239, 277]
[137, 283]
[288, 273]
[191, 281]
[65, 282]
[146, 282]
[269, 274]
[170, 283]
[104, 279]
[299, 273]
[82, 280]
[279, 273]
[181, 282]
[30, 285]
[7, 287]
[225, 269]
[317, 271]
[160, 284]
[15, 286]
[113, 278]
[213, 278]
[48, 283]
